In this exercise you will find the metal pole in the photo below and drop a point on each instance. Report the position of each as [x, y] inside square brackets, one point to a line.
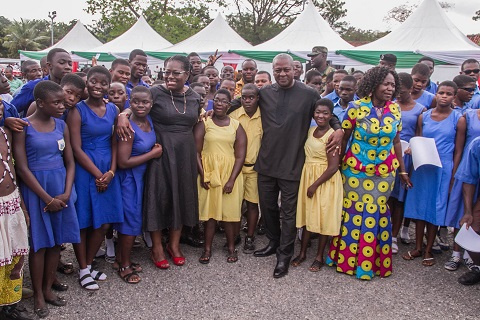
[52, 15]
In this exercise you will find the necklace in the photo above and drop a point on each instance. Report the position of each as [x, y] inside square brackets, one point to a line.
[379, 111]
[5, 162]
[184, 103]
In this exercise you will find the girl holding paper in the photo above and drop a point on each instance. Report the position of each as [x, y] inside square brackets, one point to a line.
[368, 171]
[427, 202]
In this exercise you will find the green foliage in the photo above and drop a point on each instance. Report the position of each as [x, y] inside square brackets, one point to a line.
[476, 17]
[332, 11]
[353, 34]
[24, 35]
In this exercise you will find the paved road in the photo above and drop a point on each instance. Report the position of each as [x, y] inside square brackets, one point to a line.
[247, 290]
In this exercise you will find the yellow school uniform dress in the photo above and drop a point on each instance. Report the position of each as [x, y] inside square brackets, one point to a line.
[323, 212]
[218, 159]
[253, 129]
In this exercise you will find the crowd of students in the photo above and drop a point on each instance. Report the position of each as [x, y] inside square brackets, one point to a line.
[102, 151]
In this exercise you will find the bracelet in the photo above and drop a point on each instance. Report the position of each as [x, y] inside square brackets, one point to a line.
[403, 173]
[113, 174]
[50, 202]
[46, 207]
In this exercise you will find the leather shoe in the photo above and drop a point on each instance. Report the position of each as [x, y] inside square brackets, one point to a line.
[192, 240]
[270, 249]
[281, 269]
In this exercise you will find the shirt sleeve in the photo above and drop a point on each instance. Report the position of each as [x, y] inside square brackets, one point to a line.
[468, 170]
[25, 97]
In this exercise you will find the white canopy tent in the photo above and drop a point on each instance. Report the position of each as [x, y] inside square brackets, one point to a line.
[309, 29]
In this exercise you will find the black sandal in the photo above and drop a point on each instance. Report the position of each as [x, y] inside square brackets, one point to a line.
[128, 277]
[298, 261]
[232, 256]
[316, 266]
[65, 268]
[205, 257]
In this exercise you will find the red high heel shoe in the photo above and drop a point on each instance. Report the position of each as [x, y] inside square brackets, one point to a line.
[161, 264]
[179, 261]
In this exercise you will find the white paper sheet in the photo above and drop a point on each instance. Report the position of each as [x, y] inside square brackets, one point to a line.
[424, 151]
[468, 239]
[405, 146]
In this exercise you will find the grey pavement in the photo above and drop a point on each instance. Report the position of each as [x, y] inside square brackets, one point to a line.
[247, 290]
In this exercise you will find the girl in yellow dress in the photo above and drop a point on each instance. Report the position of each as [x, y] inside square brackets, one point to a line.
[221, 148]
[319, 206]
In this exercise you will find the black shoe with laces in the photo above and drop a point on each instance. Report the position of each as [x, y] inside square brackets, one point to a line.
[16, 312]
[471, 277]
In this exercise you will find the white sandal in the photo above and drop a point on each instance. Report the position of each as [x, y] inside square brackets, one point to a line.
[394, 246]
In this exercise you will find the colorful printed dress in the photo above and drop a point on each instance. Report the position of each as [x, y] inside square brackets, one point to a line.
[455, 201]
[368, 173]
[427, 200]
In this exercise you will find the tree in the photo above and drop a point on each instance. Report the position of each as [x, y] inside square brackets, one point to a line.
[352, 34]
[173, 23]
[476, 17]
[402, 12]
[24, 35]
[4, 23]
[259, 20]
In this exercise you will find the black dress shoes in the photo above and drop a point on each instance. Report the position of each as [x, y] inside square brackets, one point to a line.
[270, 249]
[281, 269]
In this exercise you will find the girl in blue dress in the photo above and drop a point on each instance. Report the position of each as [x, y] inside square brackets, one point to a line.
[427, 200]
[410, 111]
[95, 149]
[420, 75]
[45, 164]
[455, 202]
[133, 155]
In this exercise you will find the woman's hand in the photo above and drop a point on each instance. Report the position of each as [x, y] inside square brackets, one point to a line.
[55, 205]
[335, 142]
[213, 58]
[205, 185]
[468, 219]
[103, 181]
[156, 151]
[311, 190]
[64, 197]
[406, 180]
[124, 128]
[15, 124]
[228, 187]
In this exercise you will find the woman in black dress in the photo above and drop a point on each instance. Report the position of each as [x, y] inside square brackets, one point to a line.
[170, 197]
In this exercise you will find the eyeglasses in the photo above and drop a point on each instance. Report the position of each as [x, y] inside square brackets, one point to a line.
[469, 71]
[248, 97]
[174, 73]
[469, 89]
[218, 101]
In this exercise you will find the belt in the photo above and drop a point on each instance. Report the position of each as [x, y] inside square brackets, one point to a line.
[248, 164]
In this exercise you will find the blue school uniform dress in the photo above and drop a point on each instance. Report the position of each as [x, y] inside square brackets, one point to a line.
[427, 200]
[131, 182]
[409, 121]
[45, 161]
[426, 99]
[9, 111]
[431, 87]
[96, 208]
[474, 103]
[455, 202]
[469, 169]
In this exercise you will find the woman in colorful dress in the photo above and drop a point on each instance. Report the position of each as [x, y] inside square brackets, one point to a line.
[373, 124]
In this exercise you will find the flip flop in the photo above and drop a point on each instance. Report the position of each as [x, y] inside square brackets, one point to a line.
[297, 261]
[65, 268]
[410, 256]
[316, 266]
[428, 262]
[205, 258]
[232, 257]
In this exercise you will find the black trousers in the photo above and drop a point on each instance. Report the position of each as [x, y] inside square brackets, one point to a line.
[284, 235]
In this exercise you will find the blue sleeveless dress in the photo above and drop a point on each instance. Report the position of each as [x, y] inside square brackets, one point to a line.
[45, 160]
[96, 208]
[455, 202]
[131, 182]
[427, 200]
[426, 99]
[409, 121]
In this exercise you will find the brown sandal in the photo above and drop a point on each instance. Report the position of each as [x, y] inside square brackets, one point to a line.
[410, 256]
[232, 256]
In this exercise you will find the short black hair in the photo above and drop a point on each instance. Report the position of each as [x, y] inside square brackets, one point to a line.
[186, 66]
[196, 84]
[312, 73]
[136, 52]
[325, 102]
[350, 79]
[469, 61]
[193, 54]
[119, 61]
[421, 69]
[27, 64]
[209, 67]
[341, 71]
[461, 80]
[45, 88]
[43, 62]
[251, 86]
[223, 91]
[358, 71]
[425, 58]
[227, 79]
[267, 73]
[198, 76]
[81, 74]
[53, 52]
[140, 89]
[249, 60]
[406, 80]
[448, 83]
[73, 79]
[101, 70]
